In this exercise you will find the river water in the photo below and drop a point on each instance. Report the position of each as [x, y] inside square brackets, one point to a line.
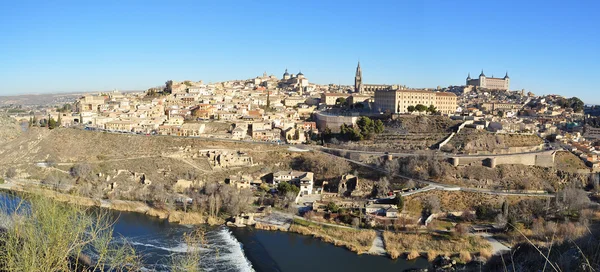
[242, 249]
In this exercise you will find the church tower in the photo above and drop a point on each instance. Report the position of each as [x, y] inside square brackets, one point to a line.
[358, 80]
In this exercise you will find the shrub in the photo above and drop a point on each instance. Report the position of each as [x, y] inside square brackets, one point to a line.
[394, 254]
[11, 172]
[81, 170]
[431, 255]
[465, 256]
[461, 229]
[413, 254]
[485, 254]
[51, 236]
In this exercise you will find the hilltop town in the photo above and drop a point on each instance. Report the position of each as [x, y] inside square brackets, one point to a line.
[480, 167]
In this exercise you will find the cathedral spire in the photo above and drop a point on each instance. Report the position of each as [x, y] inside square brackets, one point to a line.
[358, 79]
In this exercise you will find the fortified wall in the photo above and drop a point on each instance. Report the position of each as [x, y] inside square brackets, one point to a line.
[334, 122]
[544, 159]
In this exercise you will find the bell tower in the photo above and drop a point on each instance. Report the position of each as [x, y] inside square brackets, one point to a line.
[358, 80]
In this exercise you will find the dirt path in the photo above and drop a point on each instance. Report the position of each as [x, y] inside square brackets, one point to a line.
[378, 248]
[497, 247]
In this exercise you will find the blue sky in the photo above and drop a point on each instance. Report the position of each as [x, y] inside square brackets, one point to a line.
[59, 46]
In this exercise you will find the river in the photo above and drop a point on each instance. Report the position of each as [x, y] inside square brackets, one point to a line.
[242, 249]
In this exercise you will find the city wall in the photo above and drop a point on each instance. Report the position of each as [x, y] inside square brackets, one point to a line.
[545, 159]
[333, 122]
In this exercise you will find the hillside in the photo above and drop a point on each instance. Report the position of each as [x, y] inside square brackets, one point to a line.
[71, 145]
[9, 129]
[421, 124]
[473, 141]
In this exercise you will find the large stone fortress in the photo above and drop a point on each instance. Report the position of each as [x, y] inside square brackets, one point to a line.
[397, 101]
[494, 83]
[360, 87]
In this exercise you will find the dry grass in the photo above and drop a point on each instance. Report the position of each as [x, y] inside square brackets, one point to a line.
[456, 201]
[413, 254]
[431, 255]
[485, 253]
[465, 256]
[359, 241]
[402, 242]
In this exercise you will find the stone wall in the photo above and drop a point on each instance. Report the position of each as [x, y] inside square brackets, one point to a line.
[545, 159]
[334, 122]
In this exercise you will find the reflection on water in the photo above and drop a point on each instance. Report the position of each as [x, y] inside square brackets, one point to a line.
[282, 251]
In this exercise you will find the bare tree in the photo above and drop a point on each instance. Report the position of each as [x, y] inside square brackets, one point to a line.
[432, 204]
[461, 229]
[382, 187]
[11, 172]
[574, 199]
[81, 170]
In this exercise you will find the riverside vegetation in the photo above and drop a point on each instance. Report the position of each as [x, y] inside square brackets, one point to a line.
[41, 234]
[356, 240]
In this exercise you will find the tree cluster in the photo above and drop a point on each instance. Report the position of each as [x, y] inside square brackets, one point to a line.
[283, 188]
[422, 108]
[216, 198]
[365, 129]
[574, 103]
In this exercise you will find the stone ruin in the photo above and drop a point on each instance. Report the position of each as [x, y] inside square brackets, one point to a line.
[349, 186]
[224, 158]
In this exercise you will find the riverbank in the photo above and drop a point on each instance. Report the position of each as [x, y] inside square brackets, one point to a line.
[360, 241]
[355, 240]
[433, 245]
[178, 217]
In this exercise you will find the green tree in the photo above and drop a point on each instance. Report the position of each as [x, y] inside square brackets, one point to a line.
[332, 207]
[399, 202]
[285, 187]
[351, 133]
[420, 108]
[168, 87]
[59, 121]
[341, 101]
[505, 208]
[268, 106]
[35, 122]
[30, 121]
[432, 109]
[576, 104]
[51, 123]
[379, 126]
[366, 125]
[410, 108]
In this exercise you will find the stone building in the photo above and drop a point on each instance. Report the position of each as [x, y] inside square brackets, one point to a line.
[293, 81]
[398, 101]
[495, 106]
[494, 83]
[223, 158]
[89, 103]
[330, 99]
[304, 180]
[347, 185]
